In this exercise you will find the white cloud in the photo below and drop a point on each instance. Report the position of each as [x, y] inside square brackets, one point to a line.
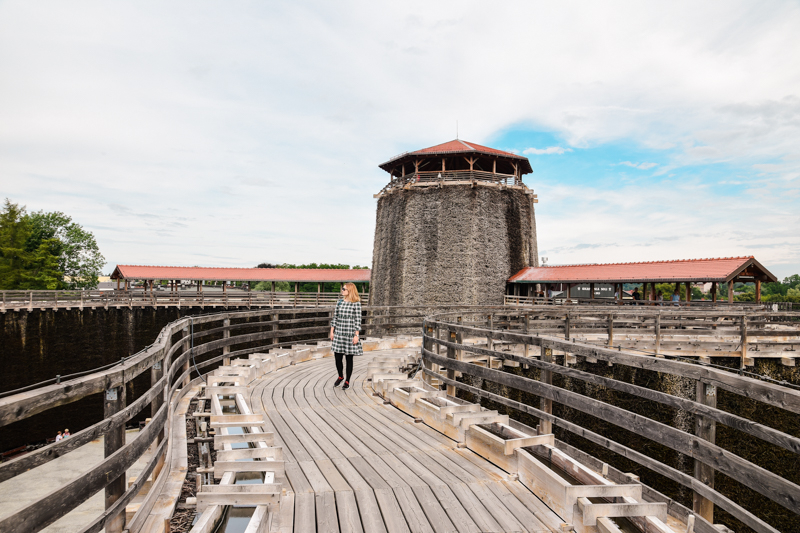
[259, 126]
[640, 166]
[547, 151]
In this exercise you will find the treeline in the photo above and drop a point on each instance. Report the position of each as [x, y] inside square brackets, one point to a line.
[285, 286]
[47, 251]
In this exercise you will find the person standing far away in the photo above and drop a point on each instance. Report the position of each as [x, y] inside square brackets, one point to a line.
[636, 295]
[344, 333]
[59, 437]
[676, 297]
[66, 433]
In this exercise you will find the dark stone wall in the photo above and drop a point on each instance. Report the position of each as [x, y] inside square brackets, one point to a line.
[38, 345]
[450, 245]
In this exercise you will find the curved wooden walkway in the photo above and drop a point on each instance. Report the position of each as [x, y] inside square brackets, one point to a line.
[357, 465]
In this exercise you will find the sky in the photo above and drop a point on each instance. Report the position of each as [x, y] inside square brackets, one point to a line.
[229, 134]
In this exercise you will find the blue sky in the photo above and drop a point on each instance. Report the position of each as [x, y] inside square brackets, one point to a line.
[197, 133]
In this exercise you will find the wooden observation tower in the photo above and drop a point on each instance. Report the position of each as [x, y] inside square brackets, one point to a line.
[453, 224]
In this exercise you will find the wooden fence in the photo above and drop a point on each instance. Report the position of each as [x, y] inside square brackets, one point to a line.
[550, 354]
[81, 299]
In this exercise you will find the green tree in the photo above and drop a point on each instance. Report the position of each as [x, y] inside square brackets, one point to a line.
[14, 231]
[79, 257]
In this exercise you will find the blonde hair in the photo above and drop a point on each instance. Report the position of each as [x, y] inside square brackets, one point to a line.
[352, 293]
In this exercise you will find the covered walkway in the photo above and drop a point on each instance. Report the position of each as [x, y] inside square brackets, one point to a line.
[606, 280]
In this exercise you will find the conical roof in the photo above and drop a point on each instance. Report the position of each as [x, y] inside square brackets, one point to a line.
[458, 146]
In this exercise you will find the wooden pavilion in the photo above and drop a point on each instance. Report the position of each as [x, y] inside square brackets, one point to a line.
[684, 271]
[149, 274]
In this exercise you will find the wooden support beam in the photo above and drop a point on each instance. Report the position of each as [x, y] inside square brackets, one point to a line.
[226, 334]
[451, 354]
[730, 292]
[546, 376]
[758, 290]
[713, 291]
[114, 401]
[705, 428]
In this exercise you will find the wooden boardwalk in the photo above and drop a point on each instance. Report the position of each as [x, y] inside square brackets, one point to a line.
[355, 464]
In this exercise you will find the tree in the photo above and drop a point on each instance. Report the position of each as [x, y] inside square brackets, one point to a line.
[79, 257]
[45, 251]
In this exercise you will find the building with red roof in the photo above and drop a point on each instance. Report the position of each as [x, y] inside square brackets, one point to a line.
[687, 271]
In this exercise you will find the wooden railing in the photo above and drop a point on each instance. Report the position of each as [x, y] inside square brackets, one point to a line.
[80, 299]
[450, 176]
[181, 348]
[510, 299]
[517, 339]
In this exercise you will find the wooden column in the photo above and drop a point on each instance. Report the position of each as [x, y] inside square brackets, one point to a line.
[451, 354]
[114, 401]
[489, 342]
[730, 292]
[706, 429]
[275, 317]
[744, 340]
[758, 290]
[296, 285]
[688, 292]
[619, 291]
[526, 347]
[186, 346]
[226, 349]
[611, 330]
[657, 327]
[427, 343]
[654, 296]
[713, 291]
[319, 289]
[566, 326]
[546, 405]
[118, 283]
[591, 291]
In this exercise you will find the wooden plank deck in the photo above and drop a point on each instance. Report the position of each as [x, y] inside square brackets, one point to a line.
[357, 465]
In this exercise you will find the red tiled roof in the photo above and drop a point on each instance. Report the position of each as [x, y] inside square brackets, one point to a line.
[720, 269]
[303, 275]
[461, 147]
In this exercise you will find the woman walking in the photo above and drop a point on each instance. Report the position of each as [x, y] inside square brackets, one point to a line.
[344, 332]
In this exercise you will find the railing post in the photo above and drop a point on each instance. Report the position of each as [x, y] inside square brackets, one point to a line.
[610, 330]
[113, 440]
[526, 346]
[226, 335]
[428, 345]
[744, 340]
[545, 426]
[489, 342]
[658, 335]
[459, 340]
[566, 327]
[706, 429]
[275, 317]
[451, 354]
[186, 347]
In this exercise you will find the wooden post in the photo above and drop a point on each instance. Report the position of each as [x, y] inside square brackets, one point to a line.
[319, 289]
[658, 334]
[275, 317]
[591, 291]
[427, 344]
[459, 340]
[705, 428]
[113, 440]
[296, 284]
[619, 292]
[730, 292]
[688, 293]
[611, 330]
[713, 291]
[489, 343]
[758, 290]
[744, 340]
[525, 348]
[451, 354]
[545, 426]
[186, 347]
[443, 164]
[226, 349]
[118, 283]
[566, 327]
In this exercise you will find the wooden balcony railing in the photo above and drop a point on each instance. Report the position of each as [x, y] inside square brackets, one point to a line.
[433, 177]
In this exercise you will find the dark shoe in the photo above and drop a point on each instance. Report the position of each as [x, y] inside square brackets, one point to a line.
[346, 385]
[338, 382]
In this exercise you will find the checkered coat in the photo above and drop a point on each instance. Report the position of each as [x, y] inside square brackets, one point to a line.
[346, 321]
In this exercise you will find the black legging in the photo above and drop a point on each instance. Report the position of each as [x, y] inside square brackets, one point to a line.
[338, 357]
